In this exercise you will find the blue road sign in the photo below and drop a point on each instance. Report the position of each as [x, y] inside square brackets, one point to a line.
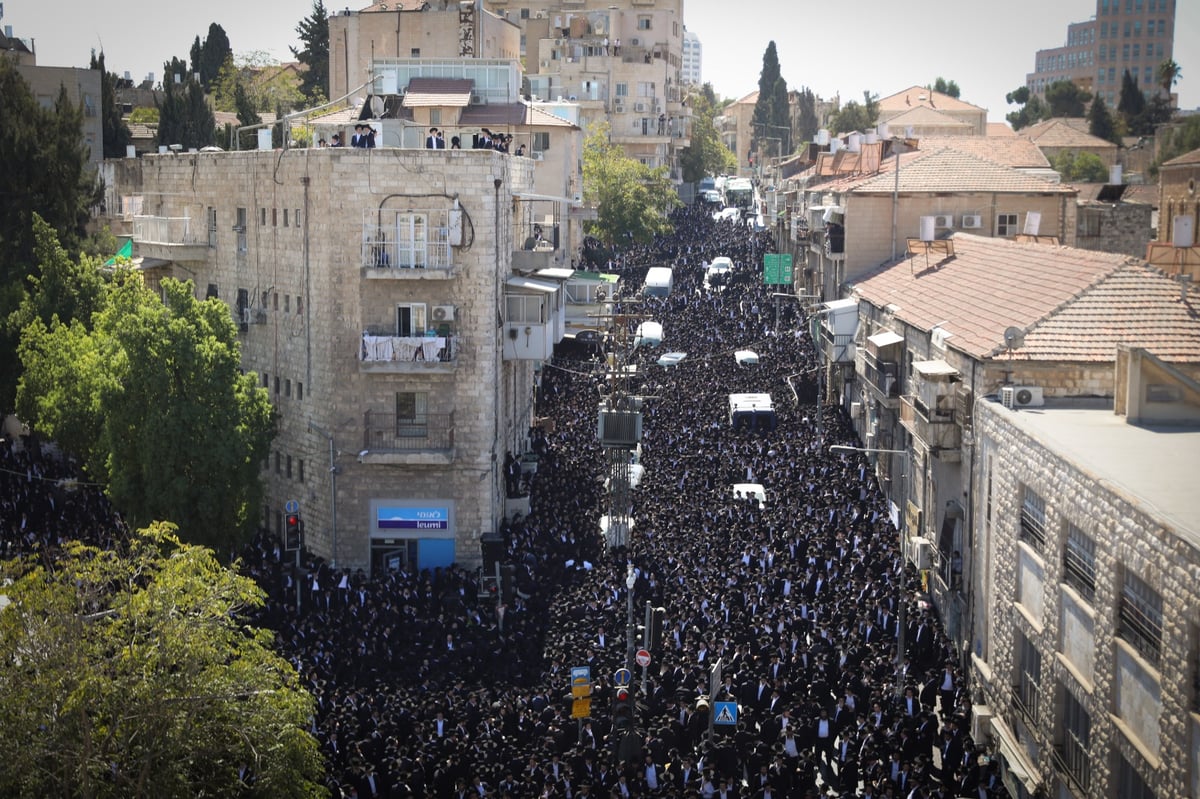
[292, 506]
[623, 677]
[725, 713]
[581, 675]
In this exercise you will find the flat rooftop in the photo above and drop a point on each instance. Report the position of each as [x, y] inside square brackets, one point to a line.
[1154, 466]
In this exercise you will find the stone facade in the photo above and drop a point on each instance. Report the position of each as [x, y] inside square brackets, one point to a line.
[1114, 227]
[1142, 708]
[83, 90]
[286, 238]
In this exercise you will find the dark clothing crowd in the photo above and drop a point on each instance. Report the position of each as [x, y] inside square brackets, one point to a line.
[845, 684]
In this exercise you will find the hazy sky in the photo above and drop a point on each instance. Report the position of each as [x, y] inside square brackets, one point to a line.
[880, 45]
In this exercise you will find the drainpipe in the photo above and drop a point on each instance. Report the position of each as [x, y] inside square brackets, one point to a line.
[333, 473]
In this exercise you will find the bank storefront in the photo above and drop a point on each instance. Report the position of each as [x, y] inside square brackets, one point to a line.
[411, 534]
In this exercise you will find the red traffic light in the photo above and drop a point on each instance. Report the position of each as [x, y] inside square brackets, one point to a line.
[622, 694]
[293, 520]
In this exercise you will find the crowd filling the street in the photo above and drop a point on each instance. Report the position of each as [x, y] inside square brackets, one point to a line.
[796, 605]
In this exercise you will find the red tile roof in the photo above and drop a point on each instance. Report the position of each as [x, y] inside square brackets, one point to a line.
[989, 285]
[952, 170]
[1007, 150]
[1064, 133]
[911, 96]
[1187, 158]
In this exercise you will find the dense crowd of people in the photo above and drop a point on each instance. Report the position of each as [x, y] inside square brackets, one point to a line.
[427, 685]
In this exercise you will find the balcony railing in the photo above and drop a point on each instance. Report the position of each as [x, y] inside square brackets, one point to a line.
[164, 230]
[883, 376]
[837, 347]
[400, 350]
[387, 432]
[937, 430]
[393, 241]
[1073, 762]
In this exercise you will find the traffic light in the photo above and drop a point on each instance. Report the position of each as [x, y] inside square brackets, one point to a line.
[622, 708]
[654, 636]
[292, 529]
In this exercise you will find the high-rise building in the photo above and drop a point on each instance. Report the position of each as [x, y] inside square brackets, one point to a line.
[1124, 35]
[692, 59]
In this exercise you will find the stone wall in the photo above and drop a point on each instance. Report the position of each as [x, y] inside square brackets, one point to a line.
[302, 270]
[1137, 708]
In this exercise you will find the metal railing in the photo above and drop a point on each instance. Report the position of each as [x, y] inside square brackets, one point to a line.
[883, 375]
[402, 349]
[386, 431]
[406, 240]
[164, 230]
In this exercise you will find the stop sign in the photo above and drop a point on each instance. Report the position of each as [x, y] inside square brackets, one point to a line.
[642, 658]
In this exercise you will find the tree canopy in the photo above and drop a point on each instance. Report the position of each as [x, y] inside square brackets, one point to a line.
[1100, 121]
[45, 171]
[153, 400]
[1065, 99]
[771, 122]
[631, 199]
[116, 132]
[208, 57]
[855, 116]
[706, 154]
[1080, 167]
[184, 115]
[313, 31]
[947, 87]
[1031, 112]
[130, 672]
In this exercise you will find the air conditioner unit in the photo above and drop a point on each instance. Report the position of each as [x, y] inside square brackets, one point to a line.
[477, 99]
[639, 107]
[920, 552]
[943, 220]
[635, 41]
[540, 15]
[1022, 397]
[981, 724]
[260, 316]
[972, 221]
[537, 155]
[855, 409]
[443, 313]
[619, 107]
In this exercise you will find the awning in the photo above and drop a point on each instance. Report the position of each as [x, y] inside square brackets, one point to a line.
[938, 368]
[556, 273]
[529, 284]
[1018, 762]
[885, 338]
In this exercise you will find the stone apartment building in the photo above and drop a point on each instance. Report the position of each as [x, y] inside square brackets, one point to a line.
[930, 113]
[1085, 654]
[621, 61]
[1175, 249]
[367, 285]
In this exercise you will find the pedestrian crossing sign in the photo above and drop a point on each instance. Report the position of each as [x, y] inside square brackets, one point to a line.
[725, 713]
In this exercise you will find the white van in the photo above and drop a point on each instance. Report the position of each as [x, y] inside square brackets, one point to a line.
[659, 280]
[720, 268]
[649, 334]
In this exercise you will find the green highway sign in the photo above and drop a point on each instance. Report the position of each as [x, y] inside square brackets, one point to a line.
[777, 269]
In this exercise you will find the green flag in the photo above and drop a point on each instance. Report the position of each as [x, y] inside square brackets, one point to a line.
[125, 252]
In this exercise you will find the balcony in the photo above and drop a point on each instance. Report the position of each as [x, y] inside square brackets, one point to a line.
[409, 354]
[938, 430]
[408, 245]
[882, 379]
[171, 238]
[425, 439]
[837, 347]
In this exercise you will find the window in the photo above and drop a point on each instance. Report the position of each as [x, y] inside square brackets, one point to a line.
[410, 319]
[1079, 562]
[643, 23]
[266, 380]
[287, 303]
[289, 467]
[1029, 677]
[415, 53]
[212, 227]
[299, 390]
[287, 387]
[412, 414]
[296, 217]
[524, 13]
[212, 292]
[277, 463]
[1076, 734]
[1130, 784]
[274, 217]
[1141, 617]
[1006, 225]
[541, 142]
[240, 227]
[1033, 518]
[285, 217]
[622, 90]
[262, 217]
[277, 385]
[299, 305]
[412, 237]
[1137, 51]
[435, 116]
[523, 309]
[300, 469]
[1195, 667]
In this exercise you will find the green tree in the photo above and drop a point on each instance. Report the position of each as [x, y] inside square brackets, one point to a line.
[1131, 105]
[209, 56]
[808, 124]
[115, 131]
[1100, 121]
[313, 31]
[184, 116]
[632, 200]
[143, 115]
[1031, 112]
[943, 86]
[45, 170]
[1177, 140]
[59, 288]
[131, 672]
[854, 116]
[706, 154]
[1169, 74]
[181, 429]
[1065, 99]
[1080, 167]
[266, 86]
[771, 118]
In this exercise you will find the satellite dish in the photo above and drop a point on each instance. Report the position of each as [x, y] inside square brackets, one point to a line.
[1014, 337]
[376, 106]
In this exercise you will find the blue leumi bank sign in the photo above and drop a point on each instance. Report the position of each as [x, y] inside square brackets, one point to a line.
[414, 518]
